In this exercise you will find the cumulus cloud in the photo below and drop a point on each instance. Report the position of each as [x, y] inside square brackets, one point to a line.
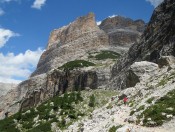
[1, 12]
[38, 4]
[5, 35]
[98, 23]
[13, 67]
[155, 3]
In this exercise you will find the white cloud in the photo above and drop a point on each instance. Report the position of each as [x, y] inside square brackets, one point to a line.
[8, 0]
[1, 12]
[112, 16]
[13, 67]
[5, 35]
[155, 3]
[98, 23]
[38, 4]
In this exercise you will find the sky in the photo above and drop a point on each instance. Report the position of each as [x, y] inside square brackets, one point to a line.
[25, 26]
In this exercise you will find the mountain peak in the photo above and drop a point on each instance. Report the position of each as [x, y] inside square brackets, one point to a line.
[72, 31]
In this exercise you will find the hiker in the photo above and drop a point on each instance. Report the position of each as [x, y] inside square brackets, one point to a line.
[125, 100]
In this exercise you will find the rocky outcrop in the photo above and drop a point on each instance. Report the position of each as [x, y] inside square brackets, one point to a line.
[139, 71]
[122, 31]
[71, 42]
[6, 87]
[158, 40]
[11, 102]
[59, 82]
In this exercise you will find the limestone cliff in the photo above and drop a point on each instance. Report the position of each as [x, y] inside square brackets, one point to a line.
[71, 42]
[122, 31]
[158, 40]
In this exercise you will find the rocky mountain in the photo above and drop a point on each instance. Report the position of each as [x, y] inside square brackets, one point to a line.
[78, 56]
[145, 75]
[122, 31]
[157, 41]
[71, 42]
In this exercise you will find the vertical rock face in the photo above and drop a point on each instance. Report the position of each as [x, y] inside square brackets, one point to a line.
[70, 42]
[73, 31]
[122, 31]
[57, 83]
[158, 40]
[42, 87]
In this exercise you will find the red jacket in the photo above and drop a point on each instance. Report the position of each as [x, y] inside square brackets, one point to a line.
[125, 99]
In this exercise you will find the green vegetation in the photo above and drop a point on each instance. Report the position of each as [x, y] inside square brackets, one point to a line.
[114, 128]
[141, 108]
[109, 106]
[8, 125]
[92, 101]
[107, 55]
[166, 79]
[149, 101]
[46, 114]
[163, 82]
[131, 103]
[132, 112]
[63, 110]
[104, 54]
[156, 114]
[76, 64]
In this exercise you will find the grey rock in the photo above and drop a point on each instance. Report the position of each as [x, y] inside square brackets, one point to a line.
[71, 42]
[122, 31]
[6, 87]
[166, 61]
[157, 40]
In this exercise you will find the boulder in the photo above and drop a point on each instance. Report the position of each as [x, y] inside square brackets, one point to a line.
[134, 74]
[142, 69]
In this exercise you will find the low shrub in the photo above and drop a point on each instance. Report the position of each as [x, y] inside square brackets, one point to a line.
[141, 108]
[107, 55]
[131, 113]
[155, 111]
[149, 101]
[26, 118]
[92, 101]
[76, 64]
[114, 128]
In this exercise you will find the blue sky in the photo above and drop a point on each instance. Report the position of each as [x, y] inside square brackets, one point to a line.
[25, 26]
